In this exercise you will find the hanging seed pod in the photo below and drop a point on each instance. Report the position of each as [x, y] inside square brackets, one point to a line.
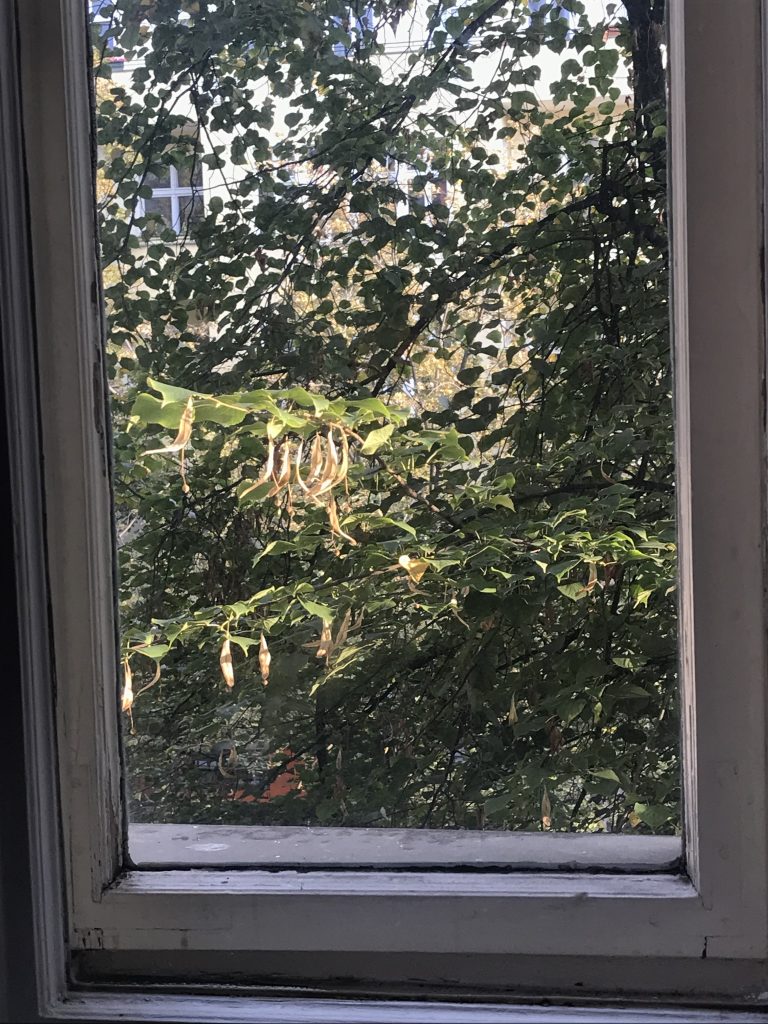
[155, 679]
[180, 442]
[341, 635]
[227, 759]
[336, 529]
[265, 659]
[185, 432]
[225, 661]
[315, 458]
[269, 465]
[183, 473]
[341, 474]
[266, 472]
[326, 641]
[309, 491]
[512, 716]
[285, 466]
[297, 465]
[546, 810]
[330, 469]
[592, 583]
[127, 699]
[283, 475]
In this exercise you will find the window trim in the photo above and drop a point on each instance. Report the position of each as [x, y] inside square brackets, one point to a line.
[715, 914]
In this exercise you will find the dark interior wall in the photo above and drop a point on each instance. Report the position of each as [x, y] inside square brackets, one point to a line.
[16, 938]
[16, 954]
[16, 950]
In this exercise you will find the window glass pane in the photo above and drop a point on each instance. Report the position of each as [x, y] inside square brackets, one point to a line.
[190, 174]
[191, 209]
[103, 20]
[394, 475]
[159, 178]
[160, 213]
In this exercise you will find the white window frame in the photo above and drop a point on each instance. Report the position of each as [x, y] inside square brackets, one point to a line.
[175, 192]
[697, 935]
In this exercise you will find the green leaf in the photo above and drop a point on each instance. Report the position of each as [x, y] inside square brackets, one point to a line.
[653, 815]
[377, 409]
[570, 709]
[631, 690]
[171, 393]
[276, 547]
[243, 642]
[307, 399]
[322, 611]
[149, 409]
[377, 438]
[274, 429]
[154, 651]
[247, 493]
[560, 569]
[495, 804]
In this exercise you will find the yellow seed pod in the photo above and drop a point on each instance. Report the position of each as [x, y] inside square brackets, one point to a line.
[127, 701]
[225, 661]
[546, 811]
[265, 659]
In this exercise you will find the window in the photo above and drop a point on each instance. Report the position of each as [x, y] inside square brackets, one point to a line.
[176, 200]
[640, 923]
[102, 20]
[356, 25]
[550, 8]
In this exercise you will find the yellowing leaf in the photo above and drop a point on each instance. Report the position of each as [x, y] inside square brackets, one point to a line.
[415, 567]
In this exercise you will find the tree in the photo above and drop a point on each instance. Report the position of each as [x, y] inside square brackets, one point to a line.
[415, 357]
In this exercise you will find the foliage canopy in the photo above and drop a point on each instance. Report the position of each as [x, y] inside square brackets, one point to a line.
[414, 359]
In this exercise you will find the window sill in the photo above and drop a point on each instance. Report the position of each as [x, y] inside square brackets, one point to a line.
[205, 1009]
[247, 846]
